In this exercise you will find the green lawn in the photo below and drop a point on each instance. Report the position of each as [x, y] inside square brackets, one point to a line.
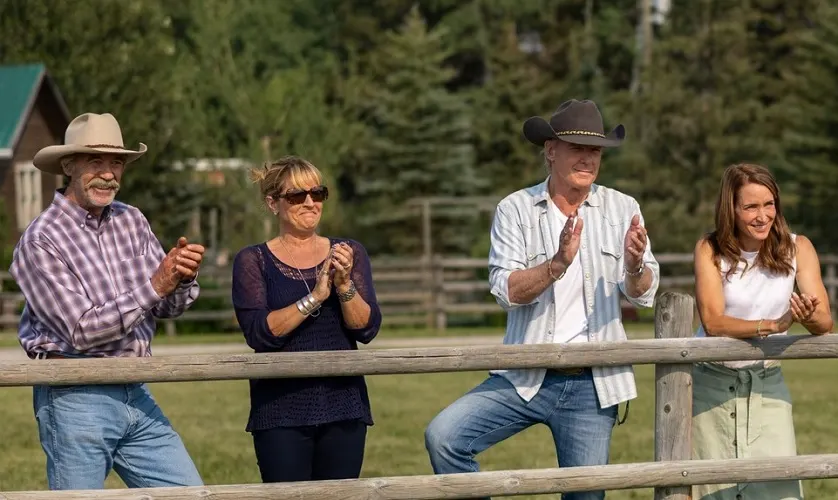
[211, 418]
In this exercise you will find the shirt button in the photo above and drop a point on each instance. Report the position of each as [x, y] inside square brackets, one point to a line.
[549, 333]
[587, 276]
[531, 256]
[584, 246]
[81, 226]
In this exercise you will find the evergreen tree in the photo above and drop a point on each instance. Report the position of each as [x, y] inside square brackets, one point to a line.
[700, 111]
[811, 151]
[515, 88]
[419, 142]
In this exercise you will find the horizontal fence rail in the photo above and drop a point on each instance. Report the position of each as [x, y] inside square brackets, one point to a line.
[482, 484]
[181, 368]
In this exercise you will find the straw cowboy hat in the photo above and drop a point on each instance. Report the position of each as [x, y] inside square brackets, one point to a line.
[89, 133]
[578, 122]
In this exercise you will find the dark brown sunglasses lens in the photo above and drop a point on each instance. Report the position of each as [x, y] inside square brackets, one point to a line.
[319, 194]
[296, 198]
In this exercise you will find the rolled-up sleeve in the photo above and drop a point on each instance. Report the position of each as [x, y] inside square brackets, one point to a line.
[507, 253]
[647, 299]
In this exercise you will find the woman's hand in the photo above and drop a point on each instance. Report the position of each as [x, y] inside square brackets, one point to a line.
[323, 285]
[342, 264]
[803, 306]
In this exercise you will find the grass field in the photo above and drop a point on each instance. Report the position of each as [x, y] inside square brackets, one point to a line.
[211, 417]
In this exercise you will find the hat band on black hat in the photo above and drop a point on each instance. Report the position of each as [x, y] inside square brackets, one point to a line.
[580, 132]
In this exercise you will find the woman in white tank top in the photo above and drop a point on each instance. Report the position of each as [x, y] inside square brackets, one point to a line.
[746, 271]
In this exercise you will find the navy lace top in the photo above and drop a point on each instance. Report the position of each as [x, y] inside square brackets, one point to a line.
[261, 284]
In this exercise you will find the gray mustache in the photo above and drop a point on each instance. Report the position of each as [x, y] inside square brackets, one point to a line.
[103, 184]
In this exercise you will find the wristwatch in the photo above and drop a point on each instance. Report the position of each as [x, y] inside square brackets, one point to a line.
[639, 270]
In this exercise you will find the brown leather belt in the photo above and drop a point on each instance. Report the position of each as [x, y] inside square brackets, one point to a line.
[569, 371]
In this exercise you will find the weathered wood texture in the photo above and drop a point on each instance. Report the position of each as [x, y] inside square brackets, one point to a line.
[673, 390]
[481, 484]
[409, 360]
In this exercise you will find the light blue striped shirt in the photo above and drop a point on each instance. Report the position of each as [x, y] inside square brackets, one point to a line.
[522, 237]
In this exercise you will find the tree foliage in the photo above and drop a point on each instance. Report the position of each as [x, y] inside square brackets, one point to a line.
[399, 99]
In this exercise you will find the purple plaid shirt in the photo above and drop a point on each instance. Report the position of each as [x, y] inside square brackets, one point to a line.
[87, 282]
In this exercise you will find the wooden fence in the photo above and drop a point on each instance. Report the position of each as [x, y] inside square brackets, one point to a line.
[411, 291]
[671, 474]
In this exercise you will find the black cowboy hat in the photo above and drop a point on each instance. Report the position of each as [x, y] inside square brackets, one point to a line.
[578, 122]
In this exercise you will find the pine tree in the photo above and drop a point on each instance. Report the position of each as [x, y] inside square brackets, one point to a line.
[419, 142]
[811, 113]
[515, 89]
[701, 110]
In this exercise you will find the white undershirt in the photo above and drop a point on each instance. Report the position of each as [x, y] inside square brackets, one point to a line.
[571, 319]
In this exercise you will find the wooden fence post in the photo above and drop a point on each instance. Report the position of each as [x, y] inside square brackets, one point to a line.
[673, 390]
[429, 285]
[440, 299]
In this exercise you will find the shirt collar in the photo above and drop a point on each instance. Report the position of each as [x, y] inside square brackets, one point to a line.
[77, 213]
[541, 194]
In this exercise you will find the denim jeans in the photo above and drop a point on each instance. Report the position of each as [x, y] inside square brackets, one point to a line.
[87, 430]
[493, 411]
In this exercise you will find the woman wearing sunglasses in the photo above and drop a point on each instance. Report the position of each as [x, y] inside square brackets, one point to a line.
[304, 292]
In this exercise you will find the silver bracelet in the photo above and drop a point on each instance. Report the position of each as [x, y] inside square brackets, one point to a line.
[307, 305]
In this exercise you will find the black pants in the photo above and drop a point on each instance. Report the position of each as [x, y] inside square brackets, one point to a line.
[328, 451]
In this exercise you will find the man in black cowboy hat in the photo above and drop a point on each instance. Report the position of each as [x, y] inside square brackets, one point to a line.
[562, 253]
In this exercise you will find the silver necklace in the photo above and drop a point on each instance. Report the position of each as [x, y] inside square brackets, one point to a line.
[294, 262]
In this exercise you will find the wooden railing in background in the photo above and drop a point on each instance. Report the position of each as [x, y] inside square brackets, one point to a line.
[671, 474]
[411, 291]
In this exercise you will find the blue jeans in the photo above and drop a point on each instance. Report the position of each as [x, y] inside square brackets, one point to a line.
[87, 430]
[493, 411]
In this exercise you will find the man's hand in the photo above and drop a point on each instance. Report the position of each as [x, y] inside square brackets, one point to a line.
[180, 264]
[635, 245]
[569, 240]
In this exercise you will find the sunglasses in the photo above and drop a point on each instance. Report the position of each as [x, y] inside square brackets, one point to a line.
[318, 195]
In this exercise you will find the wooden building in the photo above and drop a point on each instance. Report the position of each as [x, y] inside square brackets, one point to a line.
[32, 115]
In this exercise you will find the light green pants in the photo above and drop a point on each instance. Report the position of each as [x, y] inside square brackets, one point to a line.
[743, 413]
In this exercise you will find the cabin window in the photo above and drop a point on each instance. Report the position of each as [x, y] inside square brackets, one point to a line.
[28, 198]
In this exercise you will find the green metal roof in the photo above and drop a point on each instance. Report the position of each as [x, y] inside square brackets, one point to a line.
[19, 86]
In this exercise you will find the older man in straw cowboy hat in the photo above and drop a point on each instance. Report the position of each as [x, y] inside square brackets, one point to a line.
[561, 254]
[95, 278]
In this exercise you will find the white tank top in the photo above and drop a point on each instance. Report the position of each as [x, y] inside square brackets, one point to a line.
[757, 294]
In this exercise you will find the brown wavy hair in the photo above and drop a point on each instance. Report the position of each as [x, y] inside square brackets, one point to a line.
[777, 252]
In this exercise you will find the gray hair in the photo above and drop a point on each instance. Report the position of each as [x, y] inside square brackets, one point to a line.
[67, 164]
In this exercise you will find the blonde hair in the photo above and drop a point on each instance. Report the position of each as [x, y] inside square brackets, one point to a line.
[273, 174]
